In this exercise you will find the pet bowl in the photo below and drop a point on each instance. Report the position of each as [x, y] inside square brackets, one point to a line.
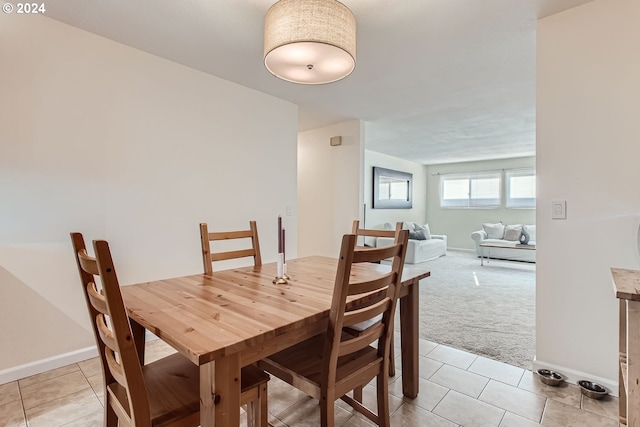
[549, 377]
[592, 390]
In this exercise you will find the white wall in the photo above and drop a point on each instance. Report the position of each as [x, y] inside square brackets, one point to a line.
[121, 145]
[458, 224]
[588, 147]
[376, 217]
[329, 187]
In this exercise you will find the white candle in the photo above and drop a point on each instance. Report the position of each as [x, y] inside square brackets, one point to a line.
[280, 266]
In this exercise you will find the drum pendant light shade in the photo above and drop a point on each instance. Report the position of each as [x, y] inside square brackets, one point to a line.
[310, 41]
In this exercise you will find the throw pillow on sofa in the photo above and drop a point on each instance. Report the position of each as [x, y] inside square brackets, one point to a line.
[512, 232]
[424, 229]
[531, 231]
[494, 231]
[417, 235]
[408, 226]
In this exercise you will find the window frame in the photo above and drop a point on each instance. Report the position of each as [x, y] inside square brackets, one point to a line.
[524, 202]
[472, 202]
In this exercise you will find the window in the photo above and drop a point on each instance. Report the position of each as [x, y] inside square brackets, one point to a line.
[476, 190]
[521, 188]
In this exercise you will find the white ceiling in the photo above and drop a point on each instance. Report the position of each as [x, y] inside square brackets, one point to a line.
[436, 81]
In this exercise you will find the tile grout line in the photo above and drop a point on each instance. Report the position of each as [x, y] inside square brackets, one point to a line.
[24, 412]
[544, 409]
[91, 387]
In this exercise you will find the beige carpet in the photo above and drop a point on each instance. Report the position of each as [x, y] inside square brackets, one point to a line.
[487, 310]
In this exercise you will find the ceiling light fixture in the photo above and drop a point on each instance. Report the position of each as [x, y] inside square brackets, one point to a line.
[310, 41]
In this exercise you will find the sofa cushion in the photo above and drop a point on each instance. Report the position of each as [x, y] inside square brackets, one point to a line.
[494, 230]
[501, 242]
[419, 250]
[512, 232]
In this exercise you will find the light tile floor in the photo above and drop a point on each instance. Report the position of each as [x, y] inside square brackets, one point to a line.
[456, 389]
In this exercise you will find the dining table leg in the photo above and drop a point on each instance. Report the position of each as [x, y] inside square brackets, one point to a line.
[220, 392]
[409, 336]
[139, 333]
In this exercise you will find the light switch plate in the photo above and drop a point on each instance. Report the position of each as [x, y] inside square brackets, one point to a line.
[558, 209]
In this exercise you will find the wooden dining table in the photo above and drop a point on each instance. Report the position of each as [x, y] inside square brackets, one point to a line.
[232, 318]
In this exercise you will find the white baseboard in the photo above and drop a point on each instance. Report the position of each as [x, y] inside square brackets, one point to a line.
[54, 362]
[572, 376]
[460, 249]
[40, 366]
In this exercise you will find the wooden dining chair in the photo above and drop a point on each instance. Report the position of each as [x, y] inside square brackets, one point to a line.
[358, 328]
[209, 257]
[330, 365]
[163, 393]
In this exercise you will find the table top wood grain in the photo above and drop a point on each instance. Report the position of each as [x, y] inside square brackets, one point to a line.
[626, 283]
[206, 317]
[235, 317]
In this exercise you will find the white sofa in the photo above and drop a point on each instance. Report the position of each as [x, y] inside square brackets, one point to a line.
[491, 234]
[418, 250]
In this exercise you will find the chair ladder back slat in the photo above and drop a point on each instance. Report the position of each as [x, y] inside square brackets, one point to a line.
[229, 235]
[208, 257]
[106, 334]
[374, 316]
[372, 285]
[242, 253]
[375, 233]
[116, 368]
[96, 298]
[375, 254]
[368, 313]
[88, 263]
[361, 341]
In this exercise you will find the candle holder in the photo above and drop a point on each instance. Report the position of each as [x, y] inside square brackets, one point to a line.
[281, 277]
[280, 281]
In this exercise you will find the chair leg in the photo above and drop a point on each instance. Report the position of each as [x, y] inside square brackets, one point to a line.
[110, 417]
[250, 410]
[382, 387]
[257, 409]
[392, 356]
[357, 394]
[263, 410]
[327, 410]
